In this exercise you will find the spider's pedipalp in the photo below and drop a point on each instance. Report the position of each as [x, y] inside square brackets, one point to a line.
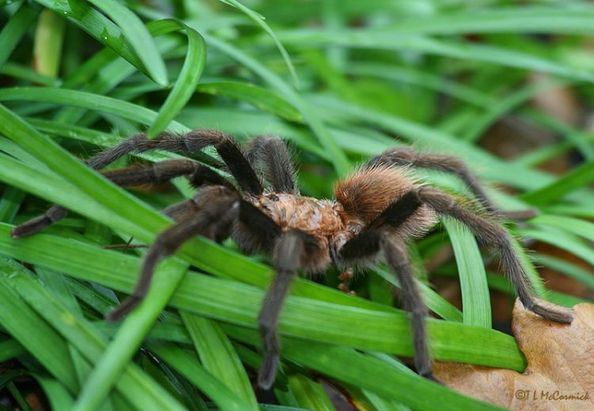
[276, 163]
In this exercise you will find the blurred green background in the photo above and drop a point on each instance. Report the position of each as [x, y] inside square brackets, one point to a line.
[505, 85]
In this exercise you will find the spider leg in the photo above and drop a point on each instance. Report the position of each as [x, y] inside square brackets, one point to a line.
[289, 251]
[410, 158]
[219, 207]
[278, 166]
[490, 233]
[189, 143]
[164, 171]
[151, 174]
[376, 238]
[396, 255]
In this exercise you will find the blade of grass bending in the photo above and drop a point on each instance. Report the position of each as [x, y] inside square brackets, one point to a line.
[10, 349]
[576, 178]
[130, 335]
[476, 301]
[35, 335]
[575, 226]
[138, 36]
[434, 301]
[422, 79]
[384, 40]
[58, 397]
[186, 83]
[95, 102]
[260, 97]
[230, 301]
[136, 386]
[188, 366]
[14, 30]
[564, 240]
[260, 21]
[525, 19]
[218, 357]
[368, 373]
[86, 100]
[97, 25]
[337, 156]
[574, 271]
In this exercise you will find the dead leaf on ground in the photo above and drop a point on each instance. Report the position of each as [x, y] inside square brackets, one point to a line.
[560, 372]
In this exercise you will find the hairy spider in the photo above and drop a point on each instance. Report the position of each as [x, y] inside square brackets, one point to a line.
[375, 210]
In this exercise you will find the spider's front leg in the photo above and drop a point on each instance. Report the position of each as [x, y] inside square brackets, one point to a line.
[289, 251]
[407, 157]
[380, 235]
[218, 208]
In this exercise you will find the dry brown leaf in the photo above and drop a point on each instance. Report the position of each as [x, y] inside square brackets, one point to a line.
[560, 372]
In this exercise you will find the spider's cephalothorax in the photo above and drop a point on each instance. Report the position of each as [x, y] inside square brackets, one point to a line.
[375, 210]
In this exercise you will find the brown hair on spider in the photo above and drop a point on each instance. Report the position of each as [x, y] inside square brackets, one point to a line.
[374, 212]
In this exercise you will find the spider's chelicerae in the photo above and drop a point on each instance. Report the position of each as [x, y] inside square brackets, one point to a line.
[375, 211]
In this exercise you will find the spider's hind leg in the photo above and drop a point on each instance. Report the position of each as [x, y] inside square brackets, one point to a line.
[218, 208]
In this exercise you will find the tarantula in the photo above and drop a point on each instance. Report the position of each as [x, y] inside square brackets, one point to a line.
[375, 211]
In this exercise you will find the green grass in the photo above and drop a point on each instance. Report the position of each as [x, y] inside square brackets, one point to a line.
[340, 81]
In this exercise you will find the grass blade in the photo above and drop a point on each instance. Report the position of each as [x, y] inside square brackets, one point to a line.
[14, 30]
[302, 317]
[218, 357]
[186, 83]
[476, 302]
[138, 37]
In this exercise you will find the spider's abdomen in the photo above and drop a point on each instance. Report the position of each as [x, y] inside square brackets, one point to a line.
[320, 218]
